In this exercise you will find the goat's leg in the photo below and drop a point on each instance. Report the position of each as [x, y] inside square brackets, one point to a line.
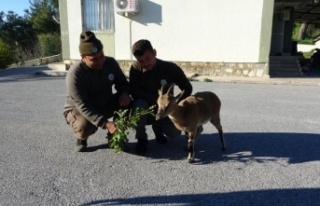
[216, 122]
[199, 130]
[192, 136]
[191, 147]
[223, 146]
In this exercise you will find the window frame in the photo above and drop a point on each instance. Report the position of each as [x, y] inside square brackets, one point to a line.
[98, 15]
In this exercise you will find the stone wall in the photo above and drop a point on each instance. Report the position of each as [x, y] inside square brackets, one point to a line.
[39, 61]
[217, 69]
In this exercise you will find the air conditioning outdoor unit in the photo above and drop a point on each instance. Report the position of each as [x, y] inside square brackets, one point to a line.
[126, 6]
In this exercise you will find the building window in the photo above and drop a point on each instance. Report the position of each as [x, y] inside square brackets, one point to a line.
[98, 15]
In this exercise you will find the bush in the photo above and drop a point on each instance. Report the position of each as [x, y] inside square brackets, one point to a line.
[7, 55]
[50, 44]
[308, 55]
[207, 80]
[306, 41]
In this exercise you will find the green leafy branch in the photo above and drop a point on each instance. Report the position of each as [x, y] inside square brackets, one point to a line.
[124, 121]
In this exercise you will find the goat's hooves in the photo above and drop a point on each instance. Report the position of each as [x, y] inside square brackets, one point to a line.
[190, 160]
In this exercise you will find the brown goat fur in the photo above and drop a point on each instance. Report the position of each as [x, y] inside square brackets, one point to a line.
[191, 113]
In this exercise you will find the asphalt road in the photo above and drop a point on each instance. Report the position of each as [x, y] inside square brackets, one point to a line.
[272, 136]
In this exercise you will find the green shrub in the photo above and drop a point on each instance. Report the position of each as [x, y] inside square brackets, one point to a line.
[50, 44]
[124, 122]
[307, 55]
[7, 55]
[306, 41]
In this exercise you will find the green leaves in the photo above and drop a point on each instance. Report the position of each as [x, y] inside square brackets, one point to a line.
[124, 121]
[41, 13]
[6, 55]
[36, 34]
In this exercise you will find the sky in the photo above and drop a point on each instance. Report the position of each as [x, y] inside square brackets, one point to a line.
[14, 5]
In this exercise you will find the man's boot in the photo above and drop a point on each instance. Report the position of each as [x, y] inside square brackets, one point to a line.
[141, 148]
[81, 145]
[109, 137]
[159, 134]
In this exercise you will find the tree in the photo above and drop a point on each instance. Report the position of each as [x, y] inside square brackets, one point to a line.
[35, 34]
[43, 15]
[6, 55]
[18, 33]
[303, 30]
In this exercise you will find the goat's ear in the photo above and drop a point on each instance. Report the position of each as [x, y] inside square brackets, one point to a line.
[178, 96]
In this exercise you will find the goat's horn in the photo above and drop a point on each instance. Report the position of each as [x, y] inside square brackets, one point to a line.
[170, 89]
[161, 90]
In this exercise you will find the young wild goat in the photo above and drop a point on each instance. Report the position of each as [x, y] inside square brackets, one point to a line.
[190, 114]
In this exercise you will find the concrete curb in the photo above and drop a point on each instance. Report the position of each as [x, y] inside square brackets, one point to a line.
[59, 69]
[303, 81]
[51, 73]
[306, 81]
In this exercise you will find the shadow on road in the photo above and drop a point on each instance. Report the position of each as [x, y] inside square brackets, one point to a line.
[26, 74]
[260, 147]
[283, 197]
[241, 147]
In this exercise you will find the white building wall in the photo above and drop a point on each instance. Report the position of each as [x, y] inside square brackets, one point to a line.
[184, 30]
[75, 26]
[307, 48]
[194, 30]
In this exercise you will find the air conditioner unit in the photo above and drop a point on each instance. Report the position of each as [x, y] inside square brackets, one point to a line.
[126, 6]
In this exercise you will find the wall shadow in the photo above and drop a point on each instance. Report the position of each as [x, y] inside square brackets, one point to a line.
[283, 197]
[150, 12]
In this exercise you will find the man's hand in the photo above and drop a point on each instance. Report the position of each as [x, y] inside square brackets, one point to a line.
[125, 99]
[111, 127]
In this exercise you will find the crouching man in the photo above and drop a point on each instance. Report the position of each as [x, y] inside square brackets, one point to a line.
[90, 100]
[147, 75]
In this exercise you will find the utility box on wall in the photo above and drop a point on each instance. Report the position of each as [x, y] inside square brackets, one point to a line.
[126, 6]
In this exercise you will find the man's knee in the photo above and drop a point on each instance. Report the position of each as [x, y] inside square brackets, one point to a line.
[84, 130]
[81, 127]
[141, 103]
[169, 129]
[171, 132]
